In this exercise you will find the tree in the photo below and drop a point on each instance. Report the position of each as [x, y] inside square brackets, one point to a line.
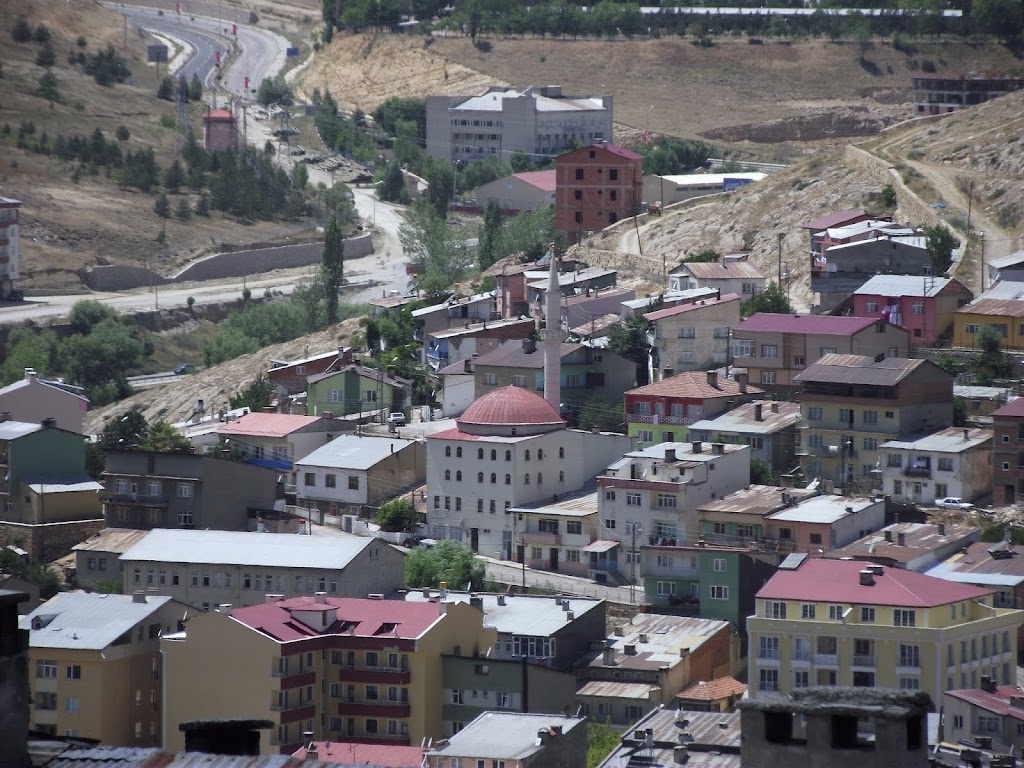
[959, 411]
[489, 234]
[274, 90]
[41, 34]
[122, 133]
[520, 161]
[771, 299]
[101, 360]
[203, 205]
[49, 88]
[183, 211]
[332, 269]
[761, 473]
[889, 196]
[706, 256]
[300, 176]
[992, 362]
[402, 109]
[392, 187]
[596, 413]
[46, 57]
[87, 314]
[435, 248]
[164, 438]
[126, 431]
[449, 561]
[257, 394]
[397, 514]
[162, 206]
[22, 30]
[602, 739]
[27, 348]
[997, 17]
[165, 90]
[441, 180]
[629, 340]
[861, 31]
[195, 88]
[174, 176]
[940, 242]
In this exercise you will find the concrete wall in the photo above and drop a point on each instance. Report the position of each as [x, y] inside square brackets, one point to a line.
[118, 277]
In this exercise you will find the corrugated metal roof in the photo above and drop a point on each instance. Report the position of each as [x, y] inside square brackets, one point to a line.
[482, 328]
[1011, 260]
[903, 285]
[742, 419]
[824, 325]
[50, 485]
[528, 615]
[834, 219]
[571, 278]
[693, 385]
[664, 637]
[755, 500]
[994, 307]
[578, 504]
[504, 735]
[694, 306]
[355, 452]
[917, 539]
[87, 620]
[978, 560]
[729, 270]
[12, 430]
[823, 509]
[542, 180]
[512, 355]
[273, 550]
[614, 689]
[267, 424]
[951, 440]
[861, 369]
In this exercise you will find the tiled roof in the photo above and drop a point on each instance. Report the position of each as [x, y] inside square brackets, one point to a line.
[359, 617]
[997, 703]
[838, 581]
[713, 690]
[542, 180]
[1012, 408]
[861, 369]
[354, 753]
[715, 270]
[700, 304]
[693, 384]
[267, 424]
[827, 325]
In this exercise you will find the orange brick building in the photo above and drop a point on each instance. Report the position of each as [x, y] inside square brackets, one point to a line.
[596, 186]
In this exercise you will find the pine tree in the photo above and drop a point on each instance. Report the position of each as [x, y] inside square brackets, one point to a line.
[162, 206]
[203, 205]
[174, 176]
[333, 269]
[184, 210]
[489, 234]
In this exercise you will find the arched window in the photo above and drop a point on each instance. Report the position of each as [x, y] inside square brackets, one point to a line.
[458, 476]
[527, 454]
[540, 454]
[526, 479]
[458, 452]
[540, 479]
[508, 479]
[447, 450]
[508, 455]
[494, 478]
[561, 477]
[494, 455]
[561, 453]
[447, 474]
[479, 477]
[479, 453]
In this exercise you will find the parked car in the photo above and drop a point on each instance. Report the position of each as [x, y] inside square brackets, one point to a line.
[396, 419]
[182, 369]
[954, 502]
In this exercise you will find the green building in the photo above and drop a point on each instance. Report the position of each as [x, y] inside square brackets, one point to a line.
[356, 389]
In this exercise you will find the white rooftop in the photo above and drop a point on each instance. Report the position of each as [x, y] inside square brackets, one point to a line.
[354, 452]
[903, 285]
[453, 302]
[911, 240]
[270, 550]
[823, 509]
[495, 102]
[950, 440]
[504, 735]
[861, 227]
[672, 297]
[87, 620]
[531, 615]
[580, 276]
[1011, 260]
[12, 430]
[714, 179]
[652, 641]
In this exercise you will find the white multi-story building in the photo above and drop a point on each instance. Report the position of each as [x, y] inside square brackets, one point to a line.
[538, 121]
[510, 447]
[953, 462]
[10, 255]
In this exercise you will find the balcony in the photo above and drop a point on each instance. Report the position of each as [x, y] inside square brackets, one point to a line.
[863, 660]
[381, 675]
[918, 471]
[908, 663]
[135, 498]
[388, 709]
[541, 537]
[651, 418]
[771, 654]
[800, 655]
[827, 659]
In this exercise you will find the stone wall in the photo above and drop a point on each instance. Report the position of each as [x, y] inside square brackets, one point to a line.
[51, 541]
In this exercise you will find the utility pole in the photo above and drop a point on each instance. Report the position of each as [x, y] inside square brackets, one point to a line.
[632, 562]
[982, 235]
[970, 204]
[781, 236]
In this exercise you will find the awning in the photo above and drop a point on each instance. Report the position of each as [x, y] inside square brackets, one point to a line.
[600, 546]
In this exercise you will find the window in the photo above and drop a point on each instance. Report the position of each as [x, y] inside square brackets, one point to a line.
[719, 592]
[613, 174]
[945, 465]
[72, 704]
[666, 588]
[577, 194]
[490, 378]
[73, 672]
[801, 678]
[970, 328]
[667, 500]
[814, 413]
[846, 415]
[917, 308]
[867, 614]
[808, 610]
[609, 523]
[330, 481]
[743, 348]
[835, 613]
[870, 417]
[574, 526]
[774, 609]
[815, 538]
[370, 396]
[871, 306]
[579, 174]
[665, 561]
[904, 618]
[184, 490]
[769, 350]
[719, 564]
[47, 670]
[768, 680]
[572, 555]
[353, 483]
[767, 377]
[518, 381]
[309, 479]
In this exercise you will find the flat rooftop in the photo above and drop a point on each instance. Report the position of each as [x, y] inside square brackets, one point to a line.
[531, 615]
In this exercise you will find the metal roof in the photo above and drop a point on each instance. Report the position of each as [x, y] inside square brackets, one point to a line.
[615, 689]
[742, 418]
[903, 285]
[694, 385]
[716, 179]
[980, 393]
[712, 740]
[823, 509]
[822, 325]
[664, 637]
[571, 278]
[452, 301]
[679, 309]
[833, 219]
[61, 483]
[951, 440]
[115, 540]
[12, 430]
[267, 424]
[481, 328]
[272, 550]
[579, 504]
[917, 539]
[504, 735]
[758, 500]
[978, 561]
[530, 615]
[861, 369]
[1011, 260]
[354, 452]
[994, 307]
[727, 270]
[87, 620]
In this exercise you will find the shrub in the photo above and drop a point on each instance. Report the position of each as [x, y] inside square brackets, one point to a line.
[41, 34]
[122, 133]
[21, 31]
[46, 57]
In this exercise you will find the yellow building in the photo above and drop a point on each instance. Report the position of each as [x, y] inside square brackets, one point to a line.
[364, 670]
[844, 622]
[95, 667]
[1006, 315]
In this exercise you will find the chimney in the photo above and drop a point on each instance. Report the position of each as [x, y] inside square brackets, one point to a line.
[741, 381]
[328, 415]
[224, 608]
[321, 598]
[609, 657]
[942, 529]
[570, 616]
[680, 754]
[667, 373]
[501, 600]
[988, 684]
[138, 596]
[5, 416]
[867, 578]
[670, 455]
[477, 602]
[888, 534]
[49, 421]
[31, 375]
[697, 447]
[529, 346]
[629, 650]
[14, 685]
[643, 637]
[901, 539]
[620, 631]
[775, 406]
[758, 410]
[426, 592]
[967, 434]
[467, 366]
[713, 379]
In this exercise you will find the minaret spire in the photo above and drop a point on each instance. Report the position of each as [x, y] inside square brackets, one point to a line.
[552, 336]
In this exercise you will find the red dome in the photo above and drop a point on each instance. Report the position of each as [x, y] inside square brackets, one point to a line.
[510, 407]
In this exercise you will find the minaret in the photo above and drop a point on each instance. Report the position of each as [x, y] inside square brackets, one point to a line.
[553, 334]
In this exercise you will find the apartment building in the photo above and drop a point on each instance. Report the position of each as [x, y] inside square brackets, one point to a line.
[276, 440]
[98, 558]
[851, 404]
[518, 192]
[595, 186]
[952, 462]
[841, 622]
[648, 660]
[207, 568]
[1008, 453]
[651, 496]
[34, 399]
[355, 389]
[539, 121]
[776, 348]
[988, 712]
[693, 337]
[292, 374]
[1006, 315]
[95, 667]
[514, 740]
[768, 427]
[816, 228]
[678, 736]
[923, 306]
[914, 546]
[361, 670]
[662, 412]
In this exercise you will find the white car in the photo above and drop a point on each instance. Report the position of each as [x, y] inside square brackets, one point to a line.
[396, 419]
[953, 502]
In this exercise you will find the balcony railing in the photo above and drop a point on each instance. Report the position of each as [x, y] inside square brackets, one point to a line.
[827, 659]
[768, 653]
[909, 663]
[651, 418]
[918, 471]
[541, 537]
[863, 660]
[116, 497]
[801, 655]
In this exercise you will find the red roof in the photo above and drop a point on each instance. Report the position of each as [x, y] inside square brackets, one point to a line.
[542, 180]
[510, 406]
[713, 690]
[267, 424]
[1012, 408]
[218, 114]
[615, 149]
[353, 753]
[838, 581]
[680, 309]
[835, 219]
[998, 703]
[693, 385]
[366, 617]
[828, 325]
